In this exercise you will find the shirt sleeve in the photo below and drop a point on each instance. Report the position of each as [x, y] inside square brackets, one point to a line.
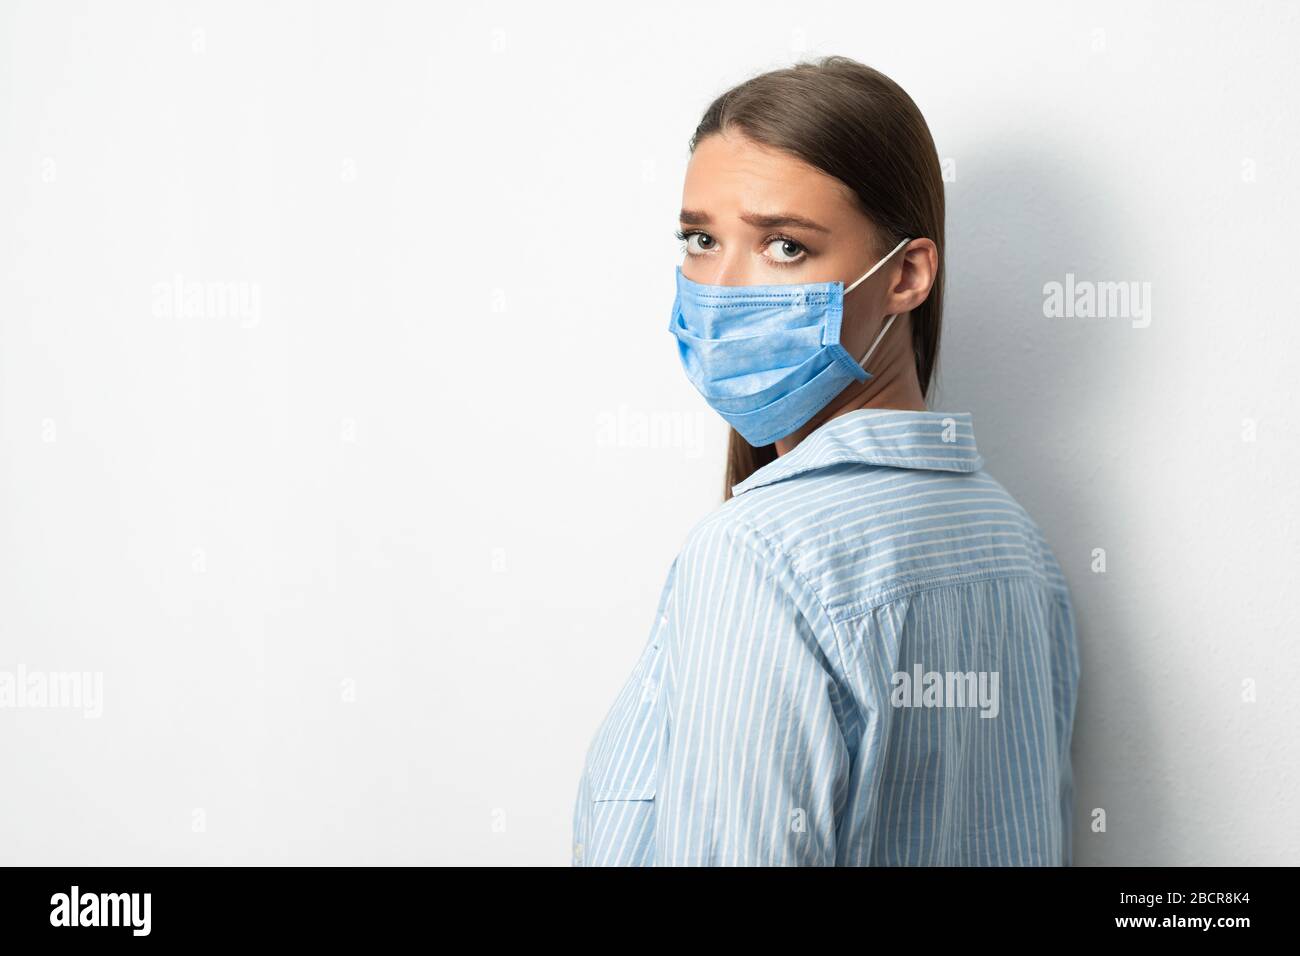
[754, 766]
[1065, 687]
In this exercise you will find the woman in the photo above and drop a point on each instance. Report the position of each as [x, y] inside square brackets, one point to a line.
[867, 654]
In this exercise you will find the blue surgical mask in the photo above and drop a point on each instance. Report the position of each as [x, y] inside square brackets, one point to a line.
[767, 358]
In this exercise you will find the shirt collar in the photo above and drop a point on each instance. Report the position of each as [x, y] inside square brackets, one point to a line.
[895, 437]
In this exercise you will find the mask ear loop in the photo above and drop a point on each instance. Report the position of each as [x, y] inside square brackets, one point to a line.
[890, 320]
[876, 266]
[888, 323]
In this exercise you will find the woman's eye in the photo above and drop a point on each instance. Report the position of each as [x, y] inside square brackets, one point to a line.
[785, 251]
[697, 242]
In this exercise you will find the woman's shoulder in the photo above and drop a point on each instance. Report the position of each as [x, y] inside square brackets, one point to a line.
[854, 532]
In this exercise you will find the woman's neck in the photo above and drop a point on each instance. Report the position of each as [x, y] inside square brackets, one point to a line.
[893, 384]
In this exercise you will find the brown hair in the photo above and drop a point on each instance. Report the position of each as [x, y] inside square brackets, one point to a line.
[858, 125]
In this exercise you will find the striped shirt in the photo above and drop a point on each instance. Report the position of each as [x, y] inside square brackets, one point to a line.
[866, 657]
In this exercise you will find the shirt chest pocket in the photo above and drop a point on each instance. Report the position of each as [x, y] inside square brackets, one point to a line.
[625, 752]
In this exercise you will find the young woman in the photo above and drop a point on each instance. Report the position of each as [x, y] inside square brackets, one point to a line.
[867, 654]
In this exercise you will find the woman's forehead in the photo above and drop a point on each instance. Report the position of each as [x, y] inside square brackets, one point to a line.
[731, 176]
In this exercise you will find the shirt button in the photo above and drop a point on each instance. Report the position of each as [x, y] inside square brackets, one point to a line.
[577, 851]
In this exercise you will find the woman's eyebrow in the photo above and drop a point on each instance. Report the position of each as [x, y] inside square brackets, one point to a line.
[695, 217]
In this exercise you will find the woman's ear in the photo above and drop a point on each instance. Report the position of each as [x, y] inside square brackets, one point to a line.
[920, 264]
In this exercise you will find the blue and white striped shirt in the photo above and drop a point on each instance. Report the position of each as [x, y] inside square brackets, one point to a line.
[866, 657]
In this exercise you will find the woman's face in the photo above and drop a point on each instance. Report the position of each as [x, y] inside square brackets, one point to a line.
[758, 216]
[753, 215]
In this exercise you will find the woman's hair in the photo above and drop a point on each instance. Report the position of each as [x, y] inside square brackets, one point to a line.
[857, 125]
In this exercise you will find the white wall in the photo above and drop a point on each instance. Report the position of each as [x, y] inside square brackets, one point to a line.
[388, 477]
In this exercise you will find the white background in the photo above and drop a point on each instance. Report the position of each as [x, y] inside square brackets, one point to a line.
[362, 570]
